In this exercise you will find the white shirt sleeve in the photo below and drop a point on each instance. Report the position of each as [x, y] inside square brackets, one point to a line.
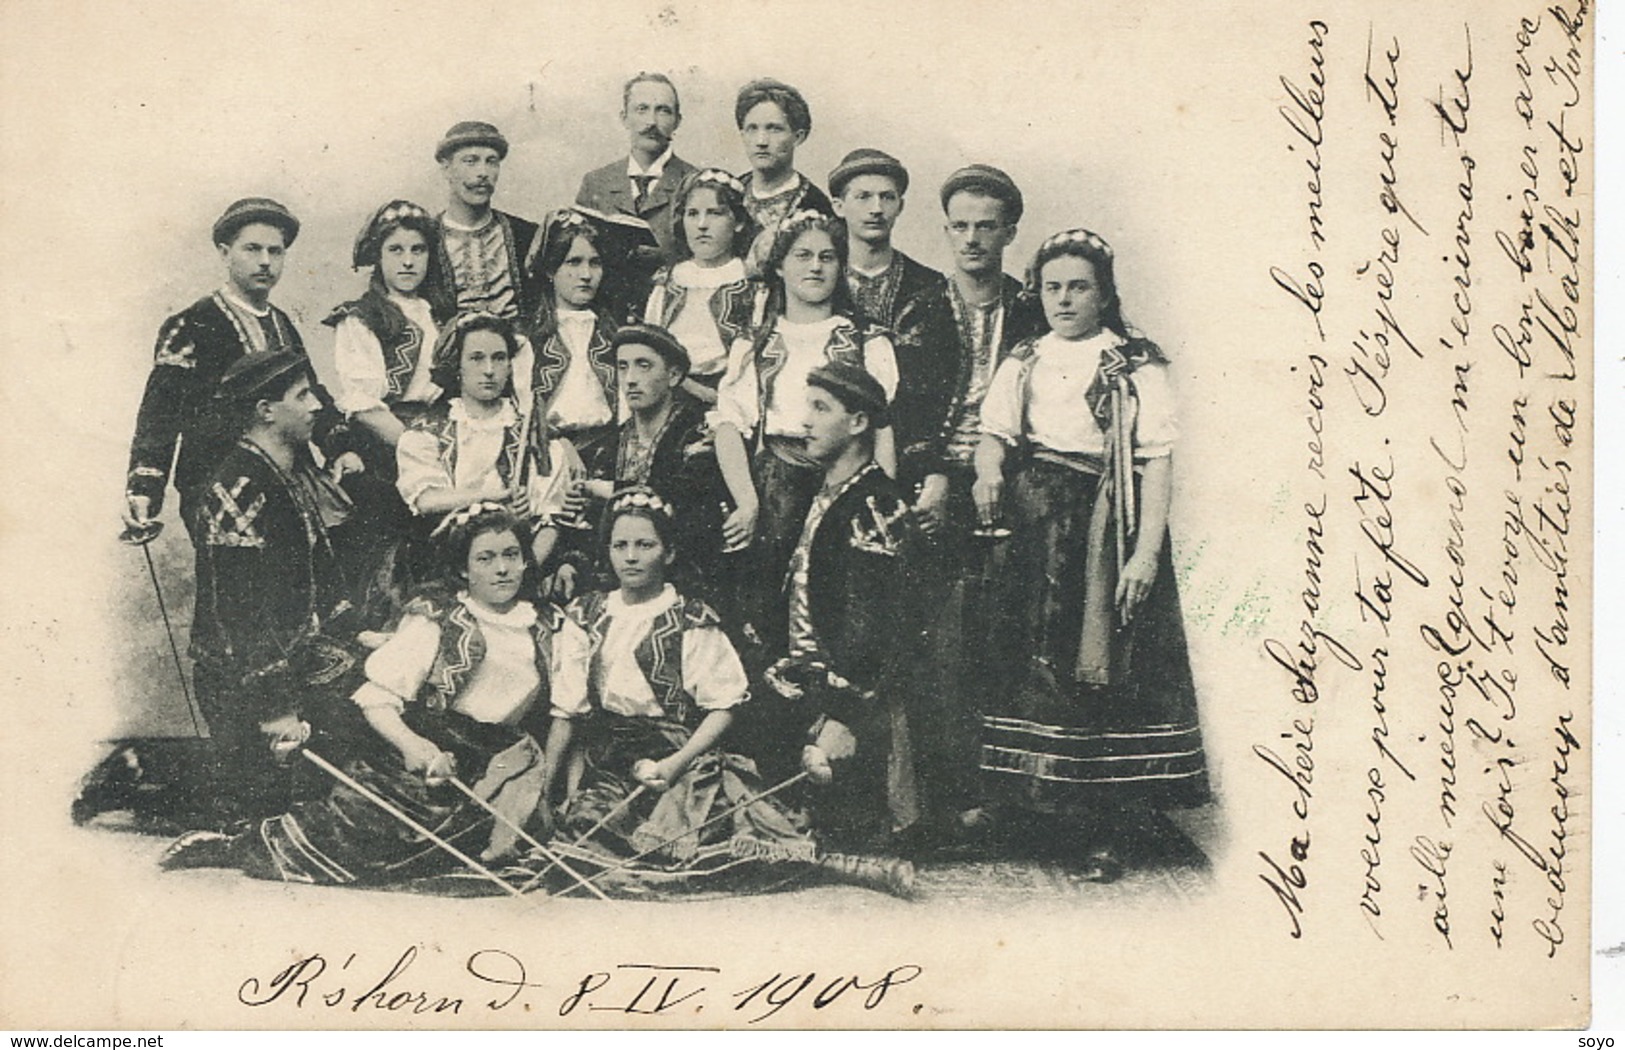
[358, 360]
[712, 673]
[567, 671]
[880, 361]
[397, 669]
[1001, 408]
[737, 396]
[418, 467]
[1156, 428]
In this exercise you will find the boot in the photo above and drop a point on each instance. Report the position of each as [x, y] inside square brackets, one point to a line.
[891, 875]
[199, 849]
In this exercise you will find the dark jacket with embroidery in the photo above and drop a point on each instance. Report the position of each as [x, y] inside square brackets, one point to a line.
[553, 357]
[683, 469]
[518, 236]
[659, 654]
[920, 320]
[267, 579]
[859, 595]
[1023, 321]
[194, 349]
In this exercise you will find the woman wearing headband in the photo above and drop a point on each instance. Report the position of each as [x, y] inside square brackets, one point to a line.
[1098, 722]
[706, 300]
[461, 691]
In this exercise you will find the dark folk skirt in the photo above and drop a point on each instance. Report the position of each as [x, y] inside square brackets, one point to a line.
[1050, 742]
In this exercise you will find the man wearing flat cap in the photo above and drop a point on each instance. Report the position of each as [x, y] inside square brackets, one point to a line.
[908, 299]
[847, 619]
[483, 249]
[665, 444]
[268, 579]
[643, 184]
[981, 207]
[195, 348]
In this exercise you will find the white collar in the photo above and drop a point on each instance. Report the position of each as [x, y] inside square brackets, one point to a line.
[229, 294]
[618, 606]
[655, 170]
[522, 616]
[691, 274]
[506, 416]
[447, 221]
[1104, 339]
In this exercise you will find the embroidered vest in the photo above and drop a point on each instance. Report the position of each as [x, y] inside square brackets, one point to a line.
[553, 357]
[845, 343]
[660, 652]
[509, 461]
[462, 649]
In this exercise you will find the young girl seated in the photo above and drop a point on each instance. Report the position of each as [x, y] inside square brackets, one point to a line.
[706, 301]
[664, 685]
[455, 692]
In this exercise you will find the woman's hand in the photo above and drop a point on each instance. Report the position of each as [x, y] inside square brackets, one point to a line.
[817, 764]
[561, 586]
[519, 502]
[933, 503]
[423, 757]
[657, 776]
[345, 464]
[600, 488]
[285, 735]
[1135, 583]
[739, 528]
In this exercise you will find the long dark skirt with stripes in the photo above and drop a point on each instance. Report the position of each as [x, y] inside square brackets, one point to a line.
[1050, 742]
[344, 837]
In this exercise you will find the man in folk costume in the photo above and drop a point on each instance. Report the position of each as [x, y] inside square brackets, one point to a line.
[981, 206]
[847, 619]
[270, 588]
[195, 348]
[665, 444]
[773, 120]
[644, 183]
[906, 298]
[483, 249]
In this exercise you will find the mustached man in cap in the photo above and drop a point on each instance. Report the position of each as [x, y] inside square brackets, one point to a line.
[483, 249]
[846, 621]
[195, 348]
[906, 298]
[269, 580]
[643, 184]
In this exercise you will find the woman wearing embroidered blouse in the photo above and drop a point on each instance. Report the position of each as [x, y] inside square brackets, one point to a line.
[473, 447]
[664, 683]
[706, 301]
[456, 691]
[763, 396]
[1099, 720]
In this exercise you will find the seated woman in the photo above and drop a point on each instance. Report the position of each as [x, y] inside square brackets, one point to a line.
[475, 446]
[453, 693]
[664, 685]
[706, 301]
[1097, 721]
[763, 396]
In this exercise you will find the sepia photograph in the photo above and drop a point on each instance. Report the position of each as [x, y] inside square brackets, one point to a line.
[778, 515]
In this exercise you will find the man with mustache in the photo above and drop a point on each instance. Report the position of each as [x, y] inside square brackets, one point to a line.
[644, 183]
[195, 348]
[483, 249]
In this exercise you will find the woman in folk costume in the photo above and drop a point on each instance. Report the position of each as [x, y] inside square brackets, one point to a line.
[1099, 722]
[762, 402]
[475, 446]
[706, 300]
[573, 385]
[458, 691]
[664, 683]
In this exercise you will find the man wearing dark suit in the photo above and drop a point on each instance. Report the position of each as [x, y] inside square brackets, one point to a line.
[644, 183]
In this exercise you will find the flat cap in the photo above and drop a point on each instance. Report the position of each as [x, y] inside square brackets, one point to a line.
[855, 388]
[867, 162]
[254, 209]
[984, 178]
[655, 338]
[471, 133]
[251, 375]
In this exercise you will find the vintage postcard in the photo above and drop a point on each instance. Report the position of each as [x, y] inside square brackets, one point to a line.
[1322, 758]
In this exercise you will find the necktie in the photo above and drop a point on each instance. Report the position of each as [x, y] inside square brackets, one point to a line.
[643, 182]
